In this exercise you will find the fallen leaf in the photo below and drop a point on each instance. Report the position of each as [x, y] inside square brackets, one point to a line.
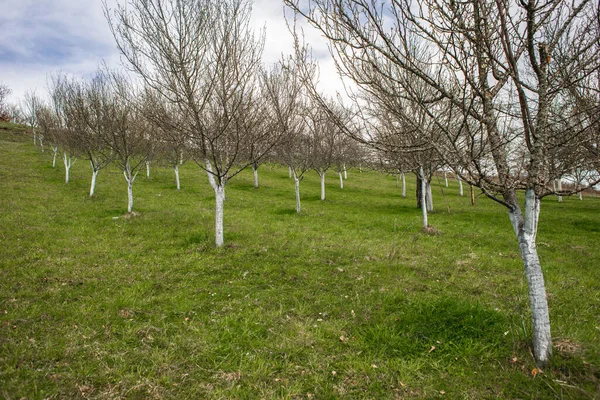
[535, 371]
[432, 349]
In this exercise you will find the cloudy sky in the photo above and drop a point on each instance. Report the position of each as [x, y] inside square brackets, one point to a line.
[39, 38]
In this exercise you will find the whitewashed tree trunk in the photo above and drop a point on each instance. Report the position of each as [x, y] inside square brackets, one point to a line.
[341, 180]
[403, 185]
[429, 196]
[130, 178]
[255, 171]
[580, 195]
[322, 175]
[423, 197]
[176, 168]
[148, 169]
[34, 138]
[41, 140]
[68, 161]
[297, 184]
[460, 185]
[54, 154]
[94, 176]
[181, 157]
[446, 178]
[219, 201]
[526, 230]
[345, 172]
[290, 172]
[559, 187]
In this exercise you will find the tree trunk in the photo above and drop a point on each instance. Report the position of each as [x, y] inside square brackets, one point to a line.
[55, 152]
[322, 175]
[176, 168]
[526, 230]
[297, 182]
[41, 140]
[446, 178]
[397, 180]
[580, 195]
[472, 195]
[428, 196]
[345, 172]
[219, 201]
[559, 187]
[290, 172]
[130, 178]
[255, 170]
[460, 186]
[423, 197]
[148, 169]
[341, 180]
[403, 185]
[68, 161]
[419, 190]
[93, 185]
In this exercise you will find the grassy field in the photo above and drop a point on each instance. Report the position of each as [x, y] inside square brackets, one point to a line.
[349, 300]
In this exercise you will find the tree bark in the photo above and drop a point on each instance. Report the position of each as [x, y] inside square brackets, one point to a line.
[148, 169]
[255, 171]
[526, 231]
[93, 185]
[177, 181]
[429, 196]
[403, 185]
[559, 187]
[68, 161]
[423, 197]
[130, 178]
[55, 152]
[460, 186]
[322, 175]
[219, 201]
[446, 178]
[341, 180]
[297, 183]
[345, 172]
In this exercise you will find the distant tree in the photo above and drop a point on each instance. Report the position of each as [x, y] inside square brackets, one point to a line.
[4, 106]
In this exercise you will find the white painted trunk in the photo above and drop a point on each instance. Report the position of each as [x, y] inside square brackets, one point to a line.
[526, 230]
[460, 186]
[345, 172]
[181, 157]
[34, 138]
[559, 186]
[219, 202]
[255, 171]
[297, 184]
[423, 198]
[403, 185]
[290, 172]
[429, 197]
[580, 195]
[93, 185]
[177, 182]
[148, 169]
[446, 178]
[68, 163]
[341, 180]
[41, 139]
[55, 152]
[322, 175]
[130, 178]
[211, 177]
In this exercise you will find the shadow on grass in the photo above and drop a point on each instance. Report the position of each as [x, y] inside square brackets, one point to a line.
[438, 328]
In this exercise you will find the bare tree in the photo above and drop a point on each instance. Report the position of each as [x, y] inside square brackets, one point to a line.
[203, 57]
[494, 68]
[4, 109]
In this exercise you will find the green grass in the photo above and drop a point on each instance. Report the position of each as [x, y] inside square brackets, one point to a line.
[347, 300]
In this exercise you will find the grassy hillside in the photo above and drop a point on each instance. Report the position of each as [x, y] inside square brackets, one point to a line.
[347, 300]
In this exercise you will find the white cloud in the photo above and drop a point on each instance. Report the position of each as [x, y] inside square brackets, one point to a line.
[41, 38]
